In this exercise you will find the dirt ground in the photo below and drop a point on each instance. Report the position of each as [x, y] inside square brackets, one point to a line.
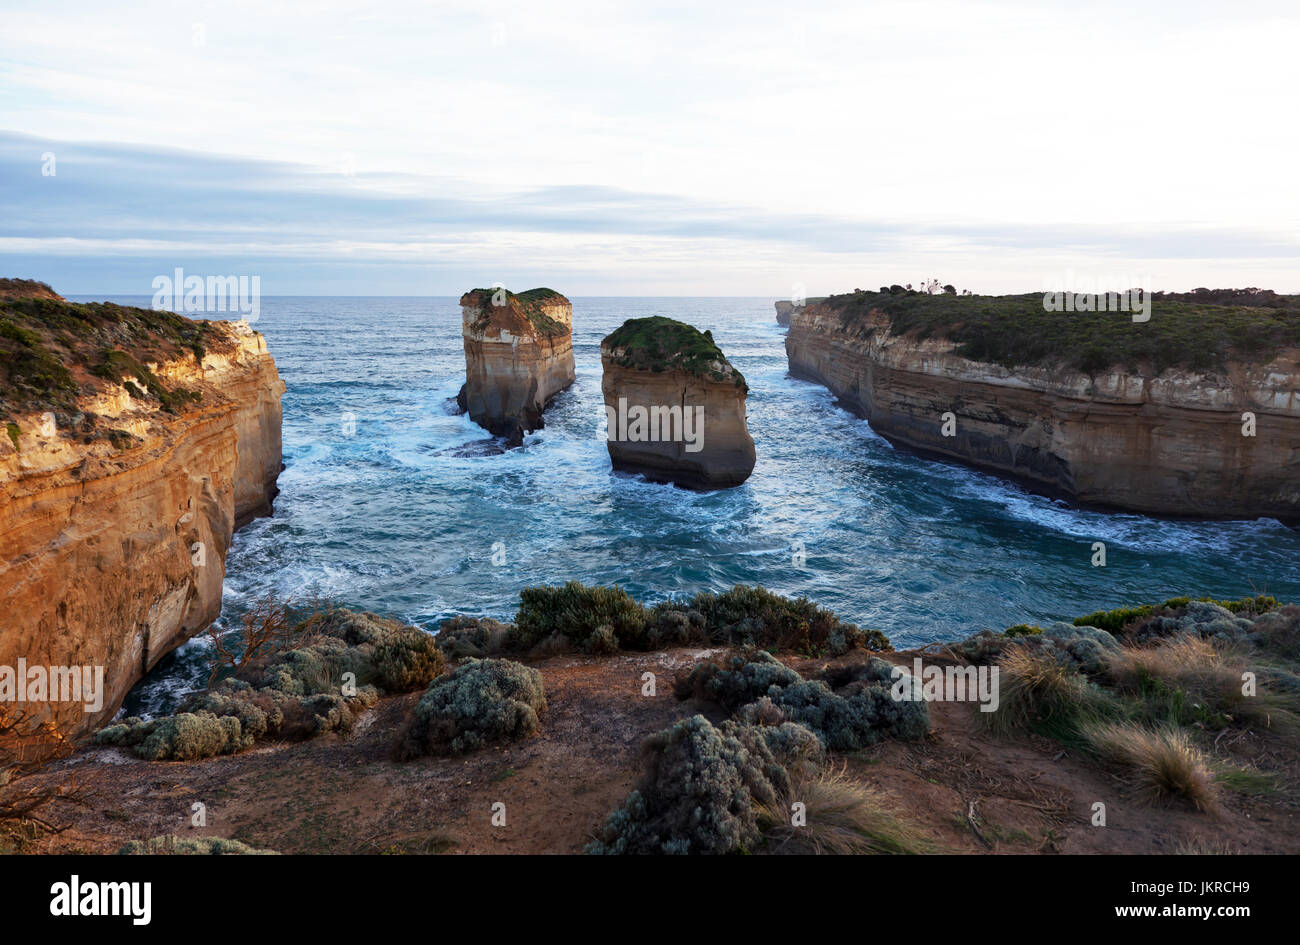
[970, 791]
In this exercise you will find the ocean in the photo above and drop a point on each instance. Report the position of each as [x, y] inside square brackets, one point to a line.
[390, 502]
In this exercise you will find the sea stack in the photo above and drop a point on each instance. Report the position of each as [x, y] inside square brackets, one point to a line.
[784, 309]
[675, 406]
[518, 356]
[137, 442]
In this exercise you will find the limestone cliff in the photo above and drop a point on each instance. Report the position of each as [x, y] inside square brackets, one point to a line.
[1155, 436]
[675, 406]
[138, 441]
[784, 310]
[518, 356]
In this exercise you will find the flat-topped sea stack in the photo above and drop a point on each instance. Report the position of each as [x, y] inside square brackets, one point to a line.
[137, 442]
[675, 406]
[518, 355]
[1189, 406]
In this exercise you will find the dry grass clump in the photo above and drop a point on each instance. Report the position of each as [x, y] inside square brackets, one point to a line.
[843, 817]
[1038, 691]
[1163, 764]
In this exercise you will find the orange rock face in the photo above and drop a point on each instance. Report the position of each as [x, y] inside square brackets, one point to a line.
[518, 355]
[1171, 444]
[113, 557]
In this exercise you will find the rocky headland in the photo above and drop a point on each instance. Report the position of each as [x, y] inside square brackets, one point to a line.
[675, 406]
[138, 441]
[1195, 412]
[518, 356]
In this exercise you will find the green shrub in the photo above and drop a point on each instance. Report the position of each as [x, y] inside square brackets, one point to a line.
[756, 617]
[292, 694]
[479, 702]
[1022, 630]
[576, 611]
[1114, 621]
[407, 659]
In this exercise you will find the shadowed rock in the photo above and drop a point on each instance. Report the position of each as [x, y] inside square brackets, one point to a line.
[675, 406]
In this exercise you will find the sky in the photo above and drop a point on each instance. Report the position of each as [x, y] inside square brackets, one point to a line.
[758, 149]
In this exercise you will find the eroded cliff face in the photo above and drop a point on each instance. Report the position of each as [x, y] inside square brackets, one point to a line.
[676, 425]
[783, 312]
[112, 552]
[1170, 444]
[518, 356]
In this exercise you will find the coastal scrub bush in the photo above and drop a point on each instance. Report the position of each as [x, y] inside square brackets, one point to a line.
[191, 846]
[187, 736]
[290, 693]
[861, 711]
[576, 611]
[1115, 621]
[479, 702]
[1082, 648]
[757, 617]
[406, 659]
[740, 679]
[461, 636]
[701, 793]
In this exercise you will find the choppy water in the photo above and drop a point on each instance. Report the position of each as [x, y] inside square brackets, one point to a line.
[395, 519]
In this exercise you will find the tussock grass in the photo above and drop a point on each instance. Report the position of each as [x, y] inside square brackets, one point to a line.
[844, 817]
[1190, 680]
[1162, 763]
[1037, 691]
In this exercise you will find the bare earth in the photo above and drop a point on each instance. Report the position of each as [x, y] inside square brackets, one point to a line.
[972, 792]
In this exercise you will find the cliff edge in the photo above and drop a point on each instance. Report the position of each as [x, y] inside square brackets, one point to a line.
[137, 442]
[1195, 412]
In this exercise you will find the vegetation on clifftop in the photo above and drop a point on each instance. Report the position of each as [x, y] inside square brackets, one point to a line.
[53, 350]
[659, 343]
[1199, 330]
[605, 620]
[529, 304]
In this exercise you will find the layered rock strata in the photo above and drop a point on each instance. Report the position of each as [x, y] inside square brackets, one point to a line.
[1173, 441]
[518, 356]
[119, 499]
[675, 406]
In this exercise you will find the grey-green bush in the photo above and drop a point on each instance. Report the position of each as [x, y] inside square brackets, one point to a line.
[700, 793]
[479, 702]
[296, 693]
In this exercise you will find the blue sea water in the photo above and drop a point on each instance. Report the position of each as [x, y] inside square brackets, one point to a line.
[401, 516]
